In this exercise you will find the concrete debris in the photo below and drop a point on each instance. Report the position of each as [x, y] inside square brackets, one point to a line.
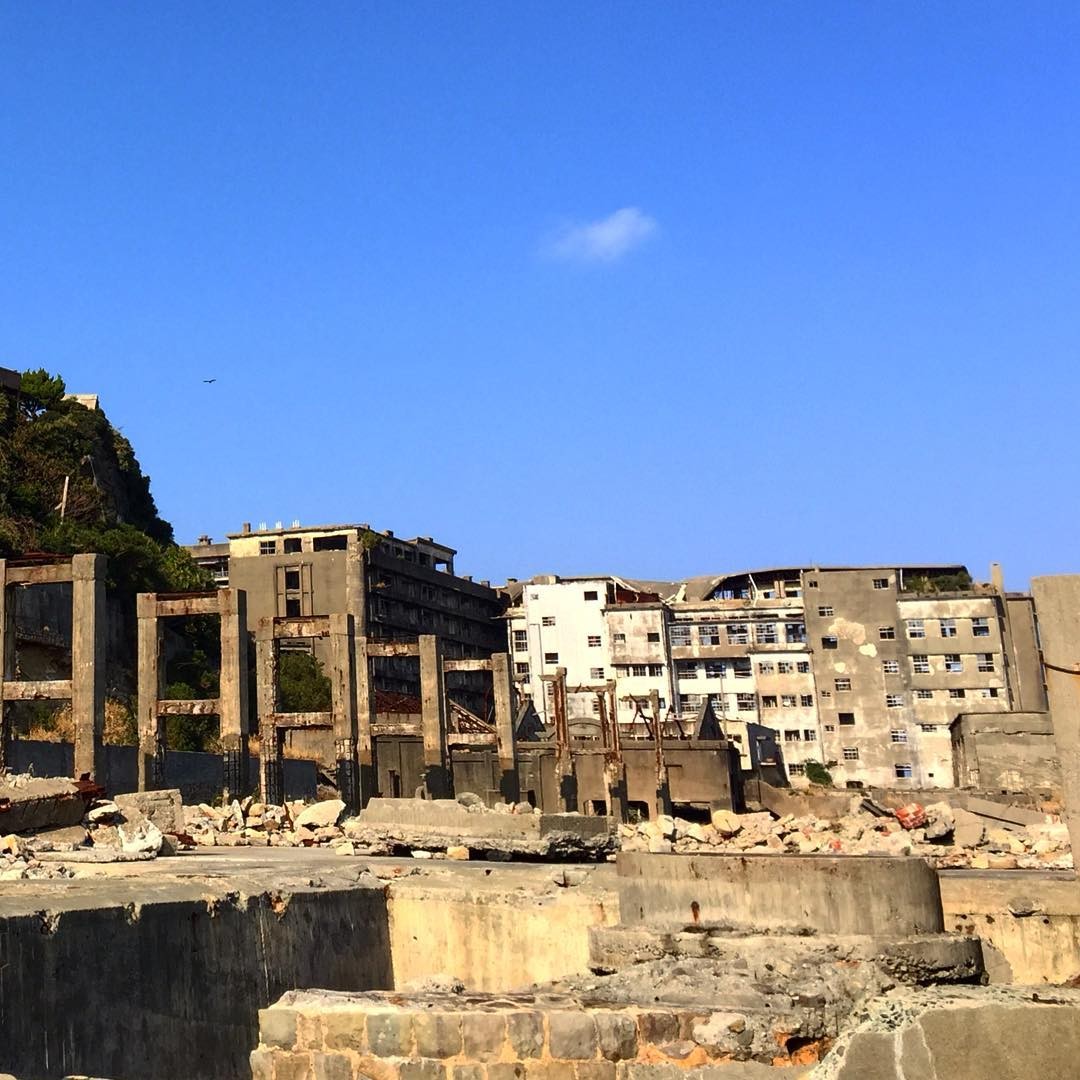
[143, 836]
[947, 838]
[317, 815]
[19, 863]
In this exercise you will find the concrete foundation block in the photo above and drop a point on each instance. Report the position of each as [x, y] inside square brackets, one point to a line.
[506, 1070]
[277, 1027]
[616, 1036]
[657, 1027]
[526, 1031]
[572, 1035]
[262, 1064]
[595, 1070]
[389, 1034]
[422, 1069]
[345, 1031]
[291, 1066]
[469, 1072]
[332, 1067]
[483, 1035]
[438, 1034]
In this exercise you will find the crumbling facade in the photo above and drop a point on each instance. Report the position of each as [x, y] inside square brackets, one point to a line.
[862, 669]
[393, 589]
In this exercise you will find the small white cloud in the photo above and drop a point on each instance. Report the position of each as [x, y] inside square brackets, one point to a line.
[605, 240]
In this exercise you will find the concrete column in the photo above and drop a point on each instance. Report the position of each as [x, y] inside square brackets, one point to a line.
[614, 766]
[88, 664]
[437, 779]
[233, 692]
[365, 719]
[502, 683]
[355, 585]
[663, 786]
[343, 704]
[7, 656]
[271, 770]
[565, 776]
[150, 725]
[1057, 604]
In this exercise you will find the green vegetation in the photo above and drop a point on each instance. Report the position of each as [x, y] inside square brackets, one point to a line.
[939, 583]
[816, 773]
[302, 686]
[46, 441]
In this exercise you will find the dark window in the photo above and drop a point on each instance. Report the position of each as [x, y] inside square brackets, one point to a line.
[591, 594]
[292, 579]
[846, 719]
[829, 643]
[653, 635]
[267, 547]
[292, 606]
[331, 543]
[292, 545]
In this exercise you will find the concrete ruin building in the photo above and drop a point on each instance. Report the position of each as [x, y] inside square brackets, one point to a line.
[394, 589]
[863, 669]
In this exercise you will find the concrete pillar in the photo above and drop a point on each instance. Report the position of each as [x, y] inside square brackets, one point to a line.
[271, 770]
[502, 683]
[565, 776]
[614, 766]
[355, 586]
[233, 707]
[150, 725]
[365, 719]
[343, 704]
[663, 786]
[1057, 604]
[7, 656]
[88, 664]
[437, 779]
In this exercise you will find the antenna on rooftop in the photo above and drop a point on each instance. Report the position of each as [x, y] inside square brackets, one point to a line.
[277, 524]
[262, 526]
[296, 523]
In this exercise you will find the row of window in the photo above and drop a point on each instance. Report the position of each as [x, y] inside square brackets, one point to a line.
[654, 671]
[795, 735]
[788, 701]
[714, 669]
[690, 703]
[784, 667]
[739, 633]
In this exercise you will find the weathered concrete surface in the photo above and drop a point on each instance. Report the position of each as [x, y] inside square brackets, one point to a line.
[179, 954]
[39, 803]
[436, 824]
[1029, 922]
[1015, 1033]
[497, 938]
[833, 895]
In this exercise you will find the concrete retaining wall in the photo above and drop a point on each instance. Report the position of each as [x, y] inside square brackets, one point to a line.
[1029, 923]
[833, 895]
[172, 989]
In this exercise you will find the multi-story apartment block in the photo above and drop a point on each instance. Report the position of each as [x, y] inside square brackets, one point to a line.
[395, 588]
[600, 630]
[861, 669]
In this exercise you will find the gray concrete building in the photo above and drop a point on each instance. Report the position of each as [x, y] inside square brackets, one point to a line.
[395, 589]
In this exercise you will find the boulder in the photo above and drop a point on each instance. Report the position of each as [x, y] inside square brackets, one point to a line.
[319, 815]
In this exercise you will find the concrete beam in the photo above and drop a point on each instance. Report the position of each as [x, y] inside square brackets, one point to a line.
[302, 626]
[287, 720]
[44, 690]
[88, 664]
[180, 606]
[188, 707]
[45, 574]
[466, 665]
[393, 648]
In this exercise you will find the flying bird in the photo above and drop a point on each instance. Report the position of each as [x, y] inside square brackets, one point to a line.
[209, 380]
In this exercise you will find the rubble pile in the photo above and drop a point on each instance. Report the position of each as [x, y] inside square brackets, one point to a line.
[946, 837]
[249, 823]
[18, 862]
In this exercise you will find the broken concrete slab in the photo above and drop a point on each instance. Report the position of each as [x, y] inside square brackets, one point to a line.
[30, 802]
[163, 807]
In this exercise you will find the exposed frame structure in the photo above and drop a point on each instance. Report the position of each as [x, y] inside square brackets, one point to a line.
[86, 687]
[230, 706]
[342, 717]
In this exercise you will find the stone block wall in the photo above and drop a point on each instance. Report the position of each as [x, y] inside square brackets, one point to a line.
[319, 1035]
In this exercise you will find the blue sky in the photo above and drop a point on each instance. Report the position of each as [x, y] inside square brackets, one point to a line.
[657, 289]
